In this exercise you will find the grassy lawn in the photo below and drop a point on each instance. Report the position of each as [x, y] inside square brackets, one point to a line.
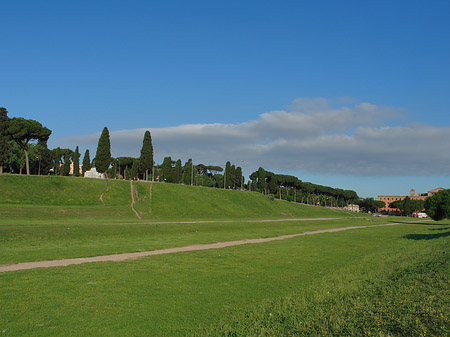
[35, 242]
[385, 280]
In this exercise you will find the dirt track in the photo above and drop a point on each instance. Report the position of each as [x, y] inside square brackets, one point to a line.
[131, 256]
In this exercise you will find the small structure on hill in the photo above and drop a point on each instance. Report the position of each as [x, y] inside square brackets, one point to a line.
[92, 173]
[352, 208]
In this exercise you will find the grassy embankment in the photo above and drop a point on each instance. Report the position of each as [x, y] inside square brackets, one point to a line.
[67, 197]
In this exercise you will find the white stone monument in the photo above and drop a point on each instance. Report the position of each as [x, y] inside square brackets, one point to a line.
[92, 173]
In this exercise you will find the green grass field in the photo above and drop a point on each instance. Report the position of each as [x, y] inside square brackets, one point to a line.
[388, 281]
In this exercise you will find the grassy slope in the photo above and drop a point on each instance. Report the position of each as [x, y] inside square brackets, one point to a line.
[392, 280]
[57, 197]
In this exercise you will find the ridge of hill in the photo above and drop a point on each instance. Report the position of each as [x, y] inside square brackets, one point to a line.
[83, 197]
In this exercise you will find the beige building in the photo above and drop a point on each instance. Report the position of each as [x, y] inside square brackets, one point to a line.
[352, 208]
[387, 199]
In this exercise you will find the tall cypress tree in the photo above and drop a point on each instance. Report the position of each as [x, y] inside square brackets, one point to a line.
[187, 172]
[238, 177]
[227, 175]
[178, 172]
[4, 138]
[103, 155]
[66, 167]
[167, 170]
[76, 163]
[146, 159]
[86, 162]
[233, 176]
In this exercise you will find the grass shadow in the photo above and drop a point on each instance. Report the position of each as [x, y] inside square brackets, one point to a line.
[427, 236]
[427, 223]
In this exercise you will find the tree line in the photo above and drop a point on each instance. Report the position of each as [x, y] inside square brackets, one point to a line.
[291, 188]
[23, 145]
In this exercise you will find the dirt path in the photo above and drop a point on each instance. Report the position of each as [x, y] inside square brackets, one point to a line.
[133, 201]
[131, 256]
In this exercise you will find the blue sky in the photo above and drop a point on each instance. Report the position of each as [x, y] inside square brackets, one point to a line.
[351, 94]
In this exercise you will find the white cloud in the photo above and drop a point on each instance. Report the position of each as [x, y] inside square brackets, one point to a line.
[311, 136]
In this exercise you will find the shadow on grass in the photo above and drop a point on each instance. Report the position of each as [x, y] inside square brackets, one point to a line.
[428, 223]
[438, 229]
[427, 236]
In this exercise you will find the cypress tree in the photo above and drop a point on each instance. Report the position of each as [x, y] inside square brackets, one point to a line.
[228, 175]
[146, 159]
[238, 177]
[86, 162]
[103, 155]
[233, 176]
[76, 163]
[187, 171]
[178, 172]
[4, 138]
[167, 170]
[66, 166]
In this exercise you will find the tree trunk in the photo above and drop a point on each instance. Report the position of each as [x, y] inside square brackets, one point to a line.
[295, 195]
[280, 192]
[1, 169]
[26, 162]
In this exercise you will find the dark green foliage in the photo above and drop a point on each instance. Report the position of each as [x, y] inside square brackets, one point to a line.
[188, 172]
[124, 166]
[167, 170]
[238, 178]
[371, 205]
[86, 162]
[57, 154]
[76, 163]
[414, 205]
[22, 131]
[103, 155]
[407, 205]
[134, 170]
[228, 179]
[16, 158]
[45, 158]
[67, 155]
[4, 137]
[438, 205]
[178, 172]
[293, 189]
[146, 159]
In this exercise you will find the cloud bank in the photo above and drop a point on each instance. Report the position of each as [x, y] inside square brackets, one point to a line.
[310, 136]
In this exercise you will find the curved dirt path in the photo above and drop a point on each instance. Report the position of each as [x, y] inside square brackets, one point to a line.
[132, 256]
[133, 201]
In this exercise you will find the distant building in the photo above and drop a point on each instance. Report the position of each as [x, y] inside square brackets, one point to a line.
[387, 199]
[80, 169]
[352, 208]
